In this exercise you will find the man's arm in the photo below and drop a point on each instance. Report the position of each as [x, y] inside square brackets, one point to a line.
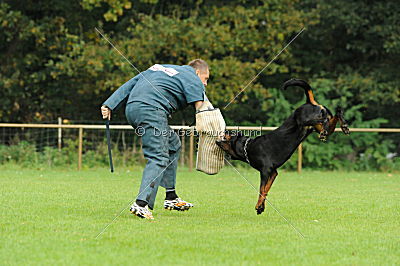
[206, 104]
[198, 104]
[115, 100]
[121, 93]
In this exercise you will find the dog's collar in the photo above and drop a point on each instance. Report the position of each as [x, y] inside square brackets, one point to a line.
[245, 150]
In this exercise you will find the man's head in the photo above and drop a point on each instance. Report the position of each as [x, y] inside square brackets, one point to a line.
[201, 68]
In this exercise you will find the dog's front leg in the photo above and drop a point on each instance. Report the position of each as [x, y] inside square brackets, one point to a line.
[338, 118]
[332, 124]
[267, 180]
[343, 123]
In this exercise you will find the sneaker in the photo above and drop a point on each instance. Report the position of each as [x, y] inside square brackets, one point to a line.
[142, 212]
[177, 204]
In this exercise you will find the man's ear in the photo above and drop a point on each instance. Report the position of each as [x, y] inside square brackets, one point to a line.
[198, 72]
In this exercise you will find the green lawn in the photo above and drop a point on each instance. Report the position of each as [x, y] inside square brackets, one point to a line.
[53, 217]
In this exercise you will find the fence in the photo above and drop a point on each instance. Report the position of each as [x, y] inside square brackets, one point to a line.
[81, 127]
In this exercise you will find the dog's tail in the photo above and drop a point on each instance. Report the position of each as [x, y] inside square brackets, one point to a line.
[305, 86]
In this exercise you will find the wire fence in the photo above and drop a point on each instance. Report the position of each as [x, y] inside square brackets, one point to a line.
[85, 144]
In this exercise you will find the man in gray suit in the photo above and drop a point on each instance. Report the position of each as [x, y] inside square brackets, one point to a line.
[150, 98]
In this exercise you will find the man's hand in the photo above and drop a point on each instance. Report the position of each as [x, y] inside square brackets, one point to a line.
[105, 112]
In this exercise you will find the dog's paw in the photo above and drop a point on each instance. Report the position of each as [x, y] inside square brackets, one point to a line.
[260, 209]
[345, 129]
[323, 136]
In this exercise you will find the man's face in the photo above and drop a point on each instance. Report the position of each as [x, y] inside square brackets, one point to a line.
[203, 75]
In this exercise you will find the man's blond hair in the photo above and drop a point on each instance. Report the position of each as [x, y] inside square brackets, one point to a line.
[199, 64]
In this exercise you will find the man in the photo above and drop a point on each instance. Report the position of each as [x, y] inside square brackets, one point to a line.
[150, 98]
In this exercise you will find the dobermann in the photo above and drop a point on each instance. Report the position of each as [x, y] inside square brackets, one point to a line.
[268, 152]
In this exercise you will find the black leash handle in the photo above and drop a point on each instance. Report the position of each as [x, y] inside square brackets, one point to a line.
[109, 144]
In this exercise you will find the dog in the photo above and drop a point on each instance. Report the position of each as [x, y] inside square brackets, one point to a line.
[268, 152]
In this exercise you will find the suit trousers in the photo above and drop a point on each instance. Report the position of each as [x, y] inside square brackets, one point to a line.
[161, 148]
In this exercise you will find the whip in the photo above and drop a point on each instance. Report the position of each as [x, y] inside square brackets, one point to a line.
[109, 144]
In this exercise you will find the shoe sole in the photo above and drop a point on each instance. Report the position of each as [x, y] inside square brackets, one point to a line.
[178, 208]
[140, 215]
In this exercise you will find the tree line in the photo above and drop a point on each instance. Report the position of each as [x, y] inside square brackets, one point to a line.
[54, 63]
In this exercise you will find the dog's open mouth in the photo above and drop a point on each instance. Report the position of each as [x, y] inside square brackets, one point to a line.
[224, 144]
[219, 142]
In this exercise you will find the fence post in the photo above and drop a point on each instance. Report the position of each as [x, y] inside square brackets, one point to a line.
[191, 149]
[59, 134]
[300, 158]
[80, 148]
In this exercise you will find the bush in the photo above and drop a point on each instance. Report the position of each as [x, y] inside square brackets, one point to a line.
[357, 152]
[23, 154]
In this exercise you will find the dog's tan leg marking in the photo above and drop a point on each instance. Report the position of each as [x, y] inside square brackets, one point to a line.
[261, 197]
[264, 191]
[332, 124]
[270, 182]
[343, 125]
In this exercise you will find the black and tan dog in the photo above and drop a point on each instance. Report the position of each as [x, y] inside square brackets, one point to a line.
[268, 152]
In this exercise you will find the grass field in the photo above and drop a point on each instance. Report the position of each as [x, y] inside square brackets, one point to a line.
[54, 216]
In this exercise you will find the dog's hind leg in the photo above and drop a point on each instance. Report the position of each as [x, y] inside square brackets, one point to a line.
[266, 182]
[260, 206]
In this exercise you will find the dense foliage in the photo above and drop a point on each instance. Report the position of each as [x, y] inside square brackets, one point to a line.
[54, 63]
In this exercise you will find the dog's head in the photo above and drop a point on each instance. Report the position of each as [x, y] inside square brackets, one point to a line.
[229, 143]
[311, 115]
[314, 117]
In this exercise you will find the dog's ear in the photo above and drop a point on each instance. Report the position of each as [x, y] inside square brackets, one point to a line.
[239, 134]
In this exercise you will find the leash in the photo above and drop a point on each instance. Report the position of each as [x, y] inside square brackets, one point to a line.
[245, 150]
[109, 144]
